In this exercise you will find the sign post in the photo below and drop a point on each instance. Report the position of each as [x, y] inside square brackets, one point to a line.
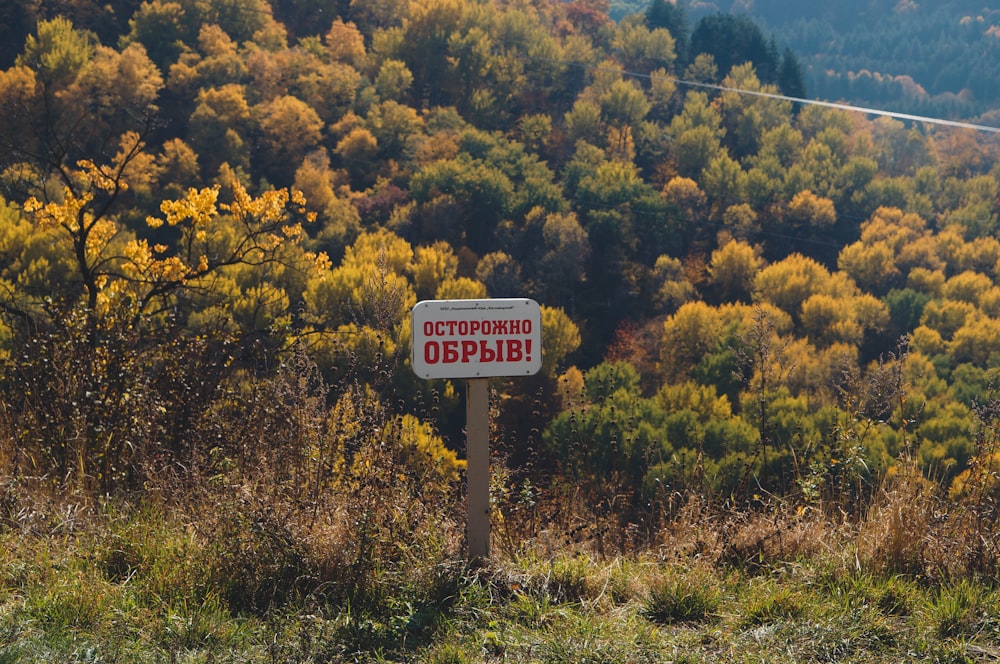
[476, 340]
[477, 451]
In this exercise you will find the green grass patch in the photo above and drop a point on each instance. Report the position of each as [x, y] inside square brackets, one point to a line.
[148, 585]
[683, 596]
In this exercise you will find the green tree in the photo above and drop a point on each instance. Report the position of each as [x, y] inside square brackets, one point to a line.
[423, 44]
[791, 79]
[394, 126]
[394, 80]
[561, 270]
[672, 17]
[732, 40]
[623, 107]
[583, 122]
[697, 133]
[747, 117]
[58, 53]
[242, 21]
[643, 49]
[724, 181]
[482, 192]
[906, 306]
[159, 26]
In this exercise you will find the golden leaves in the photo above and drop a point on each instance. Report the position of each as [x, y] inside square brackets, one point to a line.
[65, 214]
[241, 254]
[199, 206]
[142, 264]
[102, 232]
[99, 177]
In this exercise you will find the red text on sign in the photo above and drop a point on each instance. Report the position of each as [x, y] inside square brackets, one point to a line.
[466, 328]
[483, 350]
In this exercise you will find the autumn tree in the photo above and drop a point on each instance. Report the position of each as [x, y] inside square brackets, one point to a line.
[808, 217]
[288, 128]
[69, 99]
[688, 335]
[789, 282]
[732, 270]
[560, 339]
[117, 296]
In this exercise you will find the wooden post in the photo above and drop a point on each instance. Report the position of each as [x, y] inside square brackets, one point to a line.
[477, 422]
[475, 340]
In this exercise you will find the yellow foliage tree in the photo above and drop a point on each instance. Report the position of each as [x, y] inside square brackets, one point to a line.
[113, 306]
[733, 268]
[560, 337]
[789, 282]
[689, 334]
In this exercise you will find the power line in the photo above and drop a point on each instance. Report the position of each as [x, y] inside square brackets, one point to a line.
[780, 97]
[837, 105]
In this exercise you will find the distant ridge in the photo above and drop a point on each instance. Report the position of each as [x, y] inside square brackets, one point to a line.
[939, 59]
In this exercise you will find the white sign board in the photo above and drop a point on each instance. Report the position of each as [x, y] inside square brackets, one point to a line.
[476, 338]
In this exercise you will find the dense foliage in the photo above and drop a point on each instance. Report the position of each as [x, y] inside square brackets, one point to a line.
[928, 58]
[739, 296]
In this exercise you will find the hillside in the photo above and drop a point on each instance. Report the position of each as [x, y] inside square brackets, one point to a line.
[937, 59]
[217, 217]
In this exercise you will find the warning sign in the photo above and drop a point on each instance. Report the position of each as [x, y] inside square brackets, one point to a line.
[476, 338]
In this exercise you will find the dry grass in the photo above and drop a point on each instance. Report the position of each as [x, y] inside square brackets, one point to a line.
[896, 534]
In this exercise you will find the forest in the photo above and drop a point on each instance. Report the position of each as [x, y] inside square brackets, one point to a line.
[217, 215]
[936, 59]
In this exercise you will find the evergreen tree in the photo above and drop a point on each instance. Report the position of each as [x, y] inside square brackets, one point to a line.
[673, 17]
[790, 79]
[733, 40]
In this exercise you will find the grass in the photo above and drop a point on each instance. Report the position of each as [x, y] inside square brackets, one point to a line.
[122, 583]
[683, 596]
[227, 570]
